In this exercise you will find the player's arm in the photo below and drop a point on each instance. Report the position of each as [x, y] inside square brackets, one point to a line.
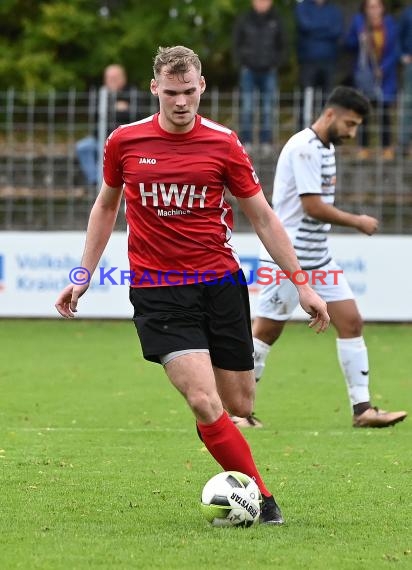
[277, 242]
[101, 222]
[316, 208]
[307, 172]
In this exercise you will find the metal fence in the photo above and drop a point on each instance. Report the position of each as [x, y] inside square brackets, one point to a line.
[42, 188]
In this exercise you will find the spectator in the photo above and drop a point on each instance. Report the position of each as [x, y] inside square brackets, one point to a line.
[373, 37]
[319, 27]
[87, 149]
[258, 47]
[405, 35]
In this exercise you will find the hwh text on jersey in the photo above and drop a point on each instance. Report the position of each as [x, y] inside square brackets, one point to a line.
[159, 194]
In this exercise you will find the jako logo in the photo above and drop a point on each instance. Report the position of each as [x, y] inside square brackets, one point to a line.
[1, 272]
[147, 160]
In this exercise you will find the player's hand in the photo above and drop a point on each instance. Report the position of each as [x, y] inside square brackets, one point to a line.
[66, 302]
[367, 224]
[315, 307]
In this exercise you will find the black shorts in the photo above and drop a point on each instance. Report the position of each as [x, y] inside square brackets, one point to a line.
[215, 317]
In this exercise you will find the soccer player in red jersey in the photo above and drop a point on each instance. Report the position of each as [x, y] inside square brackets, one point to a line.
[190, 298]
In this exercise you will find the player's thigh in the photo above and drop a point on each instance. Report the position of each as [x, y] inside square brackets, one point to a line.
[192, 372]
[193, 376]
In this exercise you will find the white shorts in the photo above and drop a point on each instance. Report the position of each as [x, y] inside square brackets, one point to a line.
[279, 298]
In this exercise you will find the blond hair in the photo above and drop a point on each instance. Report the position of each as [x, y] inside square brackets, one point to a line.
[177, 59]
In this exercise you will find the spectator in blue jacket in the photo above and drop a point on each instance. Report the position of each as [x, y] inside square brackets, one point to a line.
[405, 36]
[319, 28]
[376, 32]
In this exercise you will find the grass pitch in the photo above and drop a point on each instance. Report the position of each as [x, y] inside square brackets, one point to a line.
[101, 466]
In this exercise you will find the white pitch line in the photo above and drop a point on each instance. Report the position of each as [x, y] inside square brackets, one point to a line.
[273, 432]
[97, 429]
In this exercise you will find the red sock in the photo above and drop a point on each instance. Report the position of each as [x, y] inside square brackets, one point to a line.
[230, 449]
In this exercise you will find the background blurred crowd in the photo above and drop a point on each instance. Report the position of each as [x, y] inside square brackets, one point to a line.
[378, 50]
[264, 48]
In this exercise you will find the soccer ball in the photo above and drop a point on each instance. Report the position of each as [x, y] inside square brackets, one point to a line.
[231, 499]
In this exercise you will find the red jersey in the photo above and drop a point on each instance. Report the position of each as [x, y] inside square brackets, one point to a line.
[178, 219]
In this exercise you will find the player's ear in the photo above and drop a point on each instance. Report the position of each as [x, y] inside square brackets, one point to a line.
[330, 113]
[202, 84]
[154, 87]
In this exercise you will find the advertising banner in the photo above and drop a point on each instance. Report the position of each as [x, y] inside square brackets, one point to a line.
[35, 266]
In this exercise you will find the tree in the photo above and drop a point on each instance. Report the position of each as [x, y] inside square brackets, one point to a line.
[56, 44]
[59, 44]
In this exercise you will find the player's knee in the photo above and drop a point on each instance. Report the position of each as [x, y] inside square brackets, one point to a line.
[242, 407]
[267, 330]
[198, 402]
[353, 326]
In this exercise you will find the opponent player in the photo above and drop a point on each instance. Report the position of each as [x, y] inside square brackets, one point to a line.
[189, 295]
[303, 196]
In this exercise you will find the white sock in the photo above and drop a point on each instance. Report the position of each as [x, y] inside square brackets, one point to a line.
[261, 350]
[353, 360]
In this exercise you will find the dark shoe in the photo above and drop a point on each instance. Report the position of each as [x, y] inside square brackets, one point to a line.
[376, 418]
[270, 512]
[248, 422]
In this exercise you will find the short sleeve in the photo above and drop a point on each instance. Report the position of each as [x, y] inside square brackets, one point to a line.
[307, 169]
[241, 178]
[112, 167]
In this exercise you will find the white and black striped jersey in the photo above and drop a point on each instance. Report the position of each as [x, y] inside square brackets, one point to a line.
[305, 166]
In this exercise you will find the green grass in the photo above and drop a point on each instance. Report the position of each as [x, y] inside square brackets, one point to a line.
[101, 466]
